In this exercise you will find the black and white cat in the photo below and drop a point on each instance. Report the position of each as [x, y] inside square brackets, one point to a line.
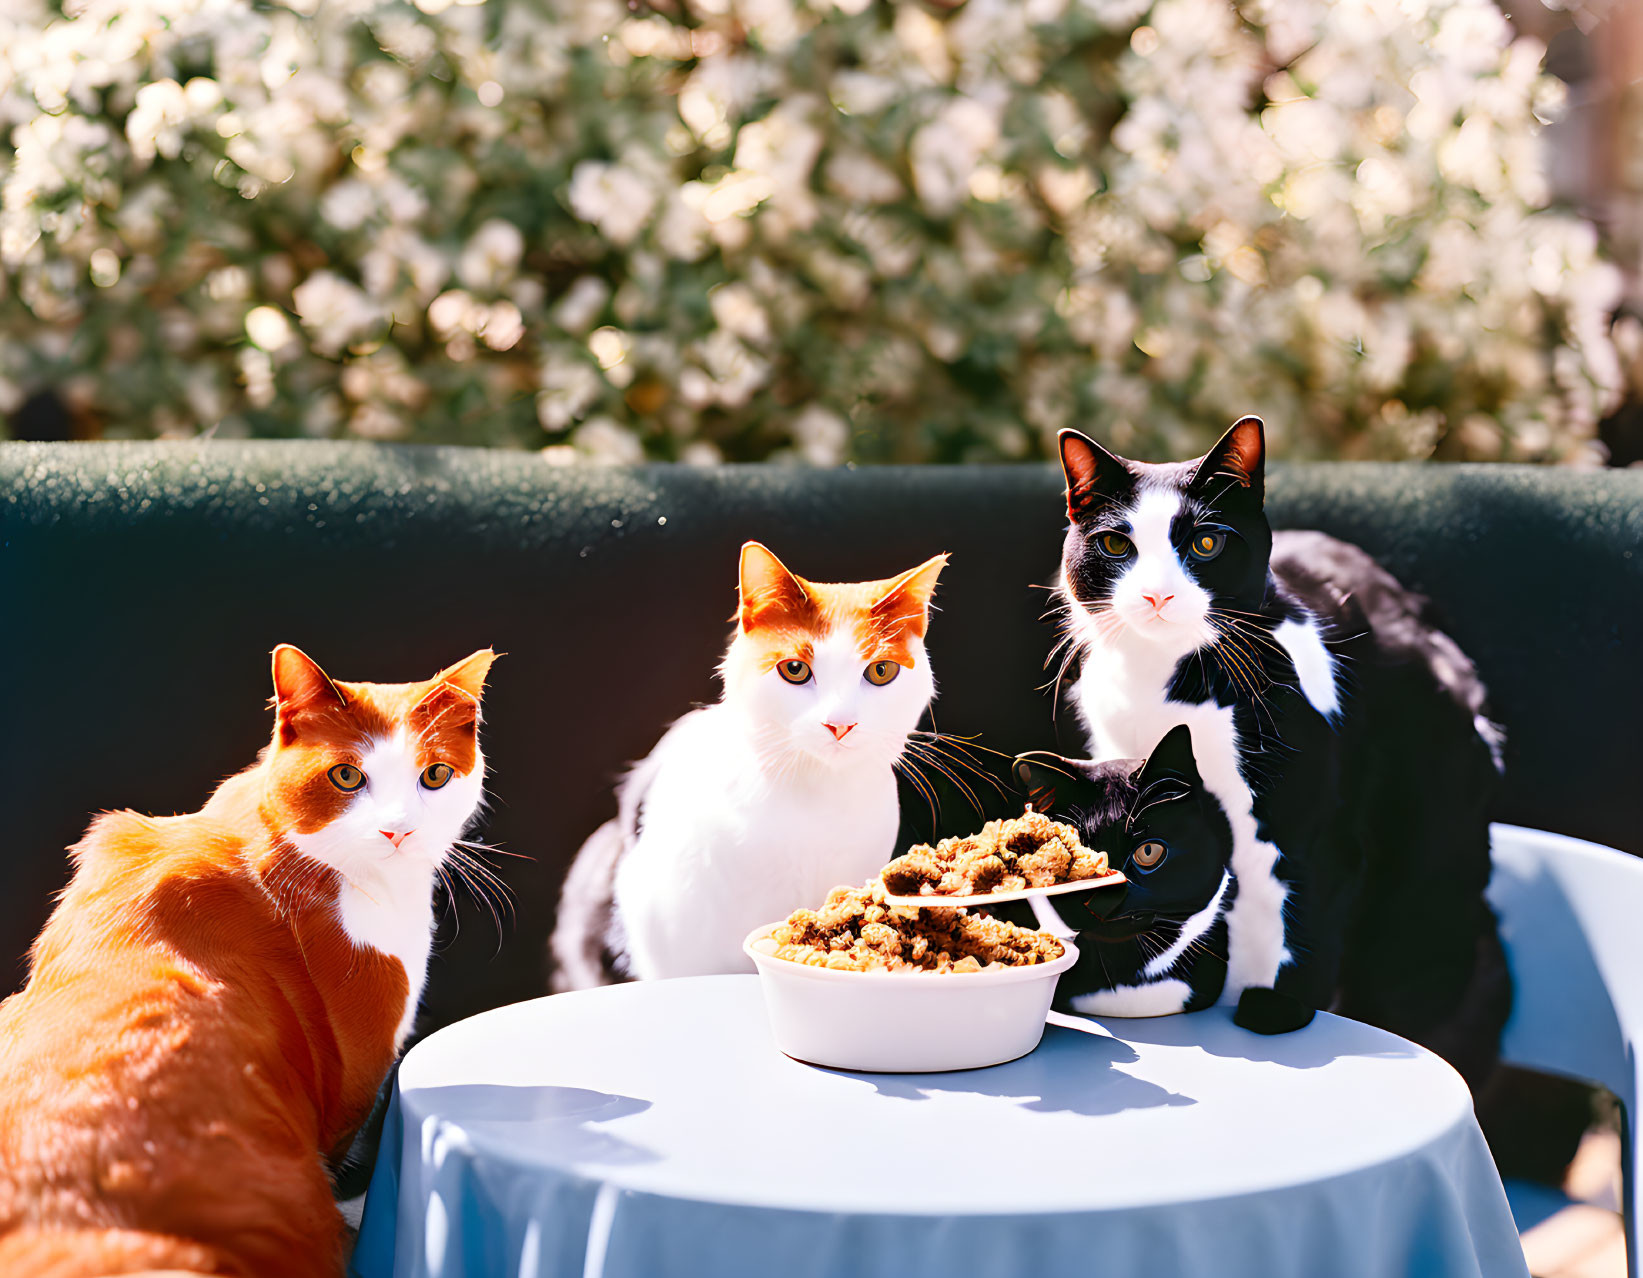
[1159, 944]
[1343, 735]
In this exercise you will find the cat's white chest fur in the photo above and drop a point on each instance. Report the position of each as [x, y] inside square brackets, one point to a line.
[394, 914]
[729, 842]
[1122, 700]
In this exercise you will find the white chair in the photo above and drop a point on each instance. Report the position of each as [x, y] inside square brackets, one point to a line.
[1571, 918]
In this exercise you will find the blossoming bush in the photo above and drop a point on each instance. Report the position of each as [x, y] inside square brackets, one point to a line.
[794, 228]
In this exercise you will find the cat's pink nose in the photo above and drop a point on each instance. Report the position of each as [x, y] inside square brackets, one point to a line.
[839, 730]
[1157, 601]
[396, 837]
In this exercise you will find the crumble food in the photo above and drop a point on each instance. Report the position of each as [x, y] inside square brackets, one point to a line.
[1006, 856]
[857, 931]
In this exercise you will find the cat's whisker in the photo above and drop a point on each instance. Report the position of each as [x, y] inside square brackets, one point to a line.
[920, 753]
[1248, 630]
[958, 756]
[467, 860]
[450, 897]
[491, 849]
[963, 742]
[1058, 648]
[1255, 679]
[1230, 668]
[970, 791]
[1066, 664]
[1150, 945]
[917, 781]
[483, 892]
[494, 895]
[1053, 687]
[479, 876]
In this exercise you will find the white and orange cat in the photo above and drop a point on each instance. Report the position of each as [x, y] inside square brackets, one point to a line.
[759, 804]
[217, 996]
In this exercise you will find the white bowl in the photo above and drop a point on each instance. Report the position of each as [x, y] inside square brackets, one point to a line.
[904, 1022]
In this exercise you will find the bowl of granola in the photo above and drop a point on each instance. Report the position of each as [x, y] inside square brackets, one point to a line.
[861, 984]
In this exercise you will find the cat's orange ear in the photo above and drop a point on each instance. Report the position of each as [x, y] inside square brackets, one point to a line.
[767, 590]
[453, 700]
[299, 683]
[905, 604]
[469, 673]
[301, 688]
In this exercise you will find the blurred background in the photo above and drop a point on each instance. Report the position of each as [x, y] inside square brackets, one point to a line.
[824, 232]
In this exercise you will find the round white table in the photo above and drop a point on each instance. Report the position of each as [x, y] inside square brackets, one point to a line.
[653, 1131]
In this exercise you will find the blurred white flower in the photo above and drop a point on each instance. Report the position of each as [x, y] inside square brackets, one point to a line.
[155, 123]
[781, 149]
[700, 453]
[945, 152]
[607, 443]
[821, 435]
[581, 304]
[861, 179]
[335, 311]
[862, 92]
[490, 258]
[683, 231]
[614, 198]
[570, 386]
[737, 310]
[348, 204]
[268, 328]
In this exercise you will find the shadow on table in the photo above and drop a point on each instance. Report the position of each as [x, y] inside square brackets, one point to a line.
[1073, 1071]
[1327, 1039]
[557, 1118]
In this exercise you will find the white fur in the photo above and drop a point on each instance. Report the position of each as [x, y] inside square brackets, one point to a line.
[1191, 930]
[755, 810]
[1314, 664]
[1156, 998]
[1182, 624]
[1130, 657]
[386, 899]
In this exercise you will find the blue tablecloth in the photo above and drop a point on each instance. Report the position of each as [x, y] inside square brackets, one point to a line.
[653, 1131]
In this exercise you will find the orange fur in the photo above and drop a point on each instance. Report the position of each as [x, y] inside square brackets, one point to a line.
[198, 1033]
[781, 615]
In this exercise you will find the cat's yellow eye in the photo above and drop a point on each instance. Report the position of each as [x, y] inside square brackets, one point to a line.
[436, 775]
[1206, 543]
[1113, 545]
[880, 673]
[346, 777]
[1148, 854]
[794, 670]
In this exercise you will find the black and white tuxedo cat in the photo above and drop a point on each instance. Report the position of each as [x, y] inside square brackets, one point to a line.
[1159, 944]
[1342, 733]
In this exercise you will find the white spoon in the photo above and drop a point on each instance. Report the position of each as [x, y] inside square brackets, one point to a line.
[938, 900]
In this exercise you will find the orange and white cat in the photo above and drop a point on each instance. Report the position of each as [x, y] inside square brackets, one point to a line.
[759, 804]
[217, 997]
